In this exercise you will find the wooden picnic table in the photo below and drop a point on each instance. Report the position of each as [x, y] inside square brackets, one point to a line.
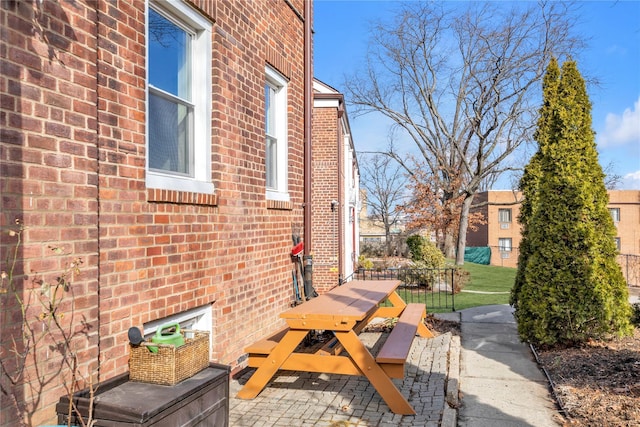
[345, 311]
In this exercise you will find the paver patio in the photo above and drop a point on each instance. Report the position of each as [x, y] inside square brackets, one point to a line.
[309, 399]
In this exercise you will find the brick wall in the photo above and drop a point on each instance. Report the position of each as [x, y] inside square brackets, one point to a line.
[72, 153]
[479, 236]
[628, 203]
[326, 229]
[628, 228]
[48, 164]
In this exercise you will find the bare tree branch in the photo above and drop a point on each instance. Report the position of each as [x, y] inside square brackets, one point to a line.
[385, 183]
[462, 81]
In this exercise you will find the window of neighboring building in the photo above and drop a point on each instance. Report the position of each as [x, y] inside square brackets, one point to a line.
[615, 214]
[373, 240]
[617, 239]
[504, 215]
[275, 93]
[504, 244]
[178, 98]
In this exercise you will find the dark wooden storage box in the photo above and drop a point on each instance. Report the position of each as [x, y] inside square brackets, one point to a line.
[201, 400]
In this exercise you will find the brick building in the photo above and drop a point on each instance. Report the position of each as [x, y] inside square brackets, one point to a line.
[133, 136]
[336, 195]
[502, 230]
[624, 206]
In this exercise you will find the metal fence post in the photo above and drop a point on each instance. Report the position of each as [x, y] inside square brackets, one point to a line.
[453, 290]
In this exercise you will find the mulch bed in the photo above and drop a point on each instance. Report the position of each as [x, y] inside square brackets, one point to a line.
[437, 326]
[597, 384]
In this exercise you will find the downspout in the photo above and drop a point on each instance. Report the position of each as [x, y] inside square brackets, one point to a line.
[308, 100]
[341, 183]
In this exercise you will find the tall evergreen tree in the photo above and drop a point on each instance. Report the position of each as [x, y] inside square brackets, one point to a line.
[569, 287]
[531, 176]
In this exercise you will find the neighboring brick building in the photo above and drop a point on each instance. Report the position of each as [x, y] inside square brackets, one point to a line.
[154, 168]
[624, 206]
[336, 195]
[502, 230]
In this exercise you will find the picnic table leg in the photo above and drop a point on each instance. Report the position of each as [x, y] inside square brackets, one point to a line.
[398, 302]
[272, 363]
[397, 305]
[423, 331]
[376, 375]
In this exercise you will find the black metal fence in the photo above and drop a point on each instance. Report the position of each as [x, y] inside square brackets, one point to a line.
[437, 287]
[433, 287]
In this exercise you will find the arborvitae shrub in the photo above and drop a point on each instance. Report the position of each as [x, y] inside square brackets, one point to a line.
[569, 287]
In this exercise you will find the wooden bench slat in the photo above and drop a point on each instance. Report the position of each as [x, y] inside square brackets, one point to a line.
[396, 347]
[265, 346]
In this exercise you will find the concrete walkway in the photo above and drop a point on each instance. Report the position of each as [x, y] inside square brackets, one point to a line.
[500, 381]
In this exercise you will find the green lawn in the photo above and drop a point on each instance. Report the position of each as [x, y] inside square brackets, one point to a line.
[483, 278]
[488, 278]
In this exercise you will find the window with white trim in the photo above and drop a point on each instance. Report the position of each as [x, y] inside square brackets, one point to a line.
[615, 214]
[178, 98]
[617, 240]
[504, 215]
[276, 148]
[199, 319]
[504, 244]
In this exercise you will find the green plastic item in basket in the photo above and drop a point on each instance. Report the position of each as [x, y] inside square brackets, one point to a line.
[170, 338]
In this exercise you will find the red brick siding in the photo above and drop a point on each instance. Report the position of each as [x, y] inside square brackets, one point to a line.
[72, 161]
[479, 236]
[628, 228]
[48, 164]
[326, 181]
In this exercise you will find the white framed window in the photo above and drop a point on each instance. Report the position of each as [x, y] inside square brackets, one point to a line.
[615, 214]
[199, 318]
[617, 240]
[276, 148]
[504, 215]
[373, 240]
[504, 244]
[178, 98]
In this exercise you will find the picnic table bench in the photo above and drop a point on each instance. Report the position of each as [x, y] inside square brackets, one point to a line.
[345, 311]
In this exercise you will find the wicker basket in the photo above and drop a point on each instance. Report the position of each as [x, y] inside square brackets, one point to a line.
[170, 364]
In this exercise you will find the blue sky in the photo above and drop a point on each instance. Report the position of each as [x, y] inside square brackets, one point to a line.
[612, 56]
